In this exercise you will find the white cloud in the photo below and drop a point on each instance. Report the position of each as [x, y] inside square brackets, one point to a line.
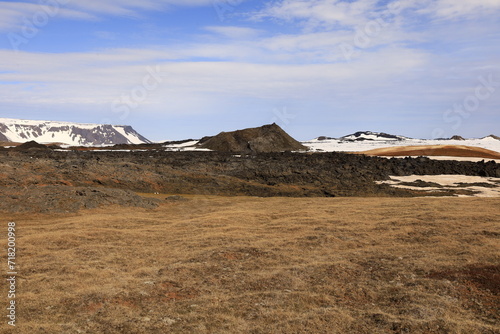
[451, 9]
[408, 63]
[101, 78]
[321, 12]
[329, 14]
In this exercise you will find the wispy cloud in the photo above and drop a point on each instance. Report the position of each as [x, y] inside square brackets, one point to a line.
[320, 13]
[98, 78]
[450, 9]
[112, 5]
[332, 14]
[15, 15]
[413, 57]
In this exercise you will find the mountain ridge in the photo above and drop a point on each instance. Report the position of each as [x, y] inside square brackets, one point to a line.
[68, 133]
[382, 136]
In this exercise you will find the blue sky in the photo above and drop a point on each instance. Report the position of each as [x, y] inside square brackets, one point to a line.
[188, 68]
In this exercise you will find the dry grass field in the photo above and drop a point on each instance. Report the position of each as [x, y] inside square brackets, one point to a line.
[255, 265]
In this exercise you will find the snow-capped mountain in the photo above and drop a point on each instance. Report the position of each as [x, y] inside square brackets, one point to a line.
[365, 136]
[75, 134]
[368, 135]
[367, 140]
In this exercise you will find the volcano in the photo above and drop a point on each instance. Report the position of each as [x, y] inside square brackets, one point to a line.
[264, 139]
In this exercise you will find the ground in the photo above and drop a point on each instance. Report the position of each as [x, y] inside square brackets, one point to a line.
[214, 264]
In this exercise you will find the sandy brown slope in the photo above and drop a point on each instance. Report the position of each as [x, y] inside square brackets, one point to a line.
[252, 265]
[434, 150]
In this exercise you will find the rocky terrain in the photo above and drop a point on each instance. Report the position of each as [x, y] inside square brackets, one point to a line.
[159, 253]
[34, 178]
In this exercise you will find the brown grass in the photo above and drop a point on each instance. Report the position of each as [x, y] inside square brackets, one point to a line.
[8, 143]
[254, 265]
[434, 150]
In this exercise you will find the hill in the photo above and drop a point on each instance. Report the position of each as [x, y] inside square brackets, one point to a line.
[264, 139]
[372, 136]
[493, 136]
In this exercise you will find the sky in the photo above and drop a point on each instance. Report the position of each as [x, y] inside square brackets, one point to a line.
[178, 69]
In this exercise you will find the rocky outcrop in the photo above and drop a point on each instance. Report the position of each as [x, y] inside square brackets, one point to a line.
[31, 145]
[265, 139]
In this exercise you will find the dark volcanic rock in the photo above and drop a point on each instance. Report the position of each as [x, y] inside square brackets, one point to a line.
[3, 128]
[176, 142]
[30, 145]
[457, 138]
[176, 198]
[421, 184]
[218, 173]
[265, 139]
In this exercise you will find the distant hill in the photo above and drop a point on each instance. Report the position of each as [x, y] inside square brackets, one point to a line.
[368, 140]
[366, 136]
[267, 138]
[75, 134]
[434, 150]
[382, 136]
[369, 135]
[492, 136]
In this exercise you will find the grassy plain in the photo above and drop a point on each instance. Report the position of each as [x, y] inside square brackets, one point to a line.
[262, 265]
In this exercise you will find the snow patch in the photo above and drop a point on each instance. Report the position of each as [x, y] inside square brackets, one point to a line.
[450, 182]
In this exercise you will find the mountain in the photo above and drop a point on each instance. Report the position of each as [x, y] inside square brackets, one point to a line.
[365, 136]
[492, 137]
[267, 138]
[75, 134]
[369, 135]
[381, 136]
